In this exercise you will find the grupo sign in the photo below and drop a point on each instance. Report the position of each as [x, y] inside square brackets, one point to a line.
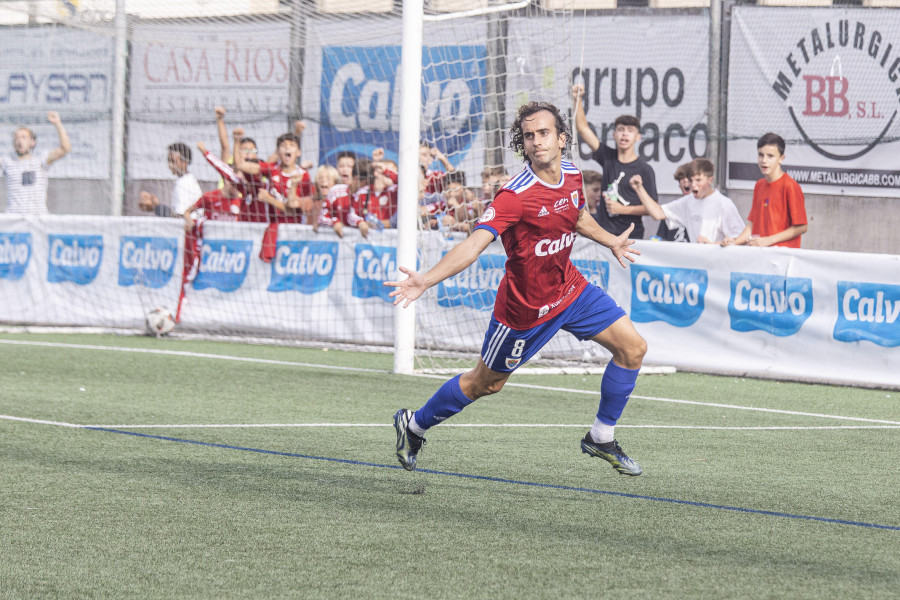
[828, 81]
[628, 66]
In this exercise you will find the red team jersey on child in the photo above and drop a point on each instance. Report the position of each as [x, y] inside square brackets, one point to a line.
[216, 207]
[279, 181]
[338, 207]
[536, 223]
[383, 204]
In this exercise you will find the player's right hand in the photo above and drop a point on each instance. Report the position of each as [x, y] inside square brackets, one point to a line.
[220, 112]
[238, 132]
[577, 91]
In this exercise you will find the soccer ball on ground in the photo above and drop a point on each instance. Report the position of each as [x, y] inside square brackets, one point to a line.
[160, 322]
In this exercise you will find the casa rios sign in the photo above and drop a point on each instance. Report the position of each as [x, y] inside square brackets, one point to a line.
[828, 82]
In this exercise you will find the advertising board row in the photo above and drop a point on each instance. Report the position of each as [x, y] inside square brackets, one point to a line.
[823, 316]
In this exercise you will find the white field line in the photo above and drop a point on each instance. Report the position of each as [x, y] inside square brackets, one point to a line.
[479, 425]
[461, 425]
[39, 421]
[512, 384]
[193, 354]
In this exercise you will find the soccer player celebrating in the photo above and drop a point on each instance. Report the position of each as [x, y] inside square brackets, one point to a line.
[537, 214]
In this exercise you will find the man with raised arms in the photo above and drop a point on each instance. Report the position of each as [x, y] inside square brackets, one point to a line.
[537, 214]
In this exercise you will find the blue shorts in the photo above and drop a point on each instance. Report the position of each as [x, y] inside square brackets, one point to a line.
[505, 349]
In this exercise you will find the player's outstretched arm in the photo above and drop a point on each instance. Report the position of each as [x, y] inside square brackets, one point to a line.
[620, 245]
[458, 259]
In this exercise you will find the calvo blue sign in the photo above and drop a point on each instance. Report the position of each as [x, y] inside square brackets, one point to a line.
[668, 294]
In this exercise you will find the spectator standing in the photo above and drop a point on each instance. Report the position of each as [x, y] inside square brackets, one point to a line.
[26, 174]
[434, 178]
[620, 165]
[778, 213]
[593, 191]
[705, 214]
[186, 190]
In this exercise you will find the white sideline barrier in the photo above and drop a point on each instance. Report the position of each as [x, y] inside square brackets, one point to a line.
[769, 312]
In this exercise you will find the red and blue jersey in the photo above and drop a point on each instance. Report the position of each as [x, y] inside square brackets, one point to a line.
[536, 224]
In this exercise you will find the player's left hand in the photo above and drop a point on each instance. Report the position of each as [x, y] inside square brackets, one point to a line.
[622, 249]
[53, 117]
[407, 290]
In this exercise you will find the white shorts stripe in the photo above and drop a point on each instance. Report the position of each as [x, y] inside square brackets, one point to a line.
[495, 344]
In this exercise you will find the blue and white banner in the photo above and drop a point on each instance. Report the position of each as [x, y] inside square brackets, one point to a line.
[766, 312]
[358, 84]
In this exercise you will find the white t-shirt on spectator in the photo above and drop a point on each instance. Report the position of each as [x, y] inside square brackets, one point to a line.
[714, 217]
[187, 191]
[26, 184]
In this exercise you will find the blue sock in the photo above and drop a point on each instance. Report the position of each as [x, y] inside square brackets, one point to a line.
[445, 403]
[615, 389]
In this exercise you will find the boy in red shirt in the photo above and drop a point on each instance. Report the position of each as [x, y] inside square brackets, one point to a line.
[778, 214]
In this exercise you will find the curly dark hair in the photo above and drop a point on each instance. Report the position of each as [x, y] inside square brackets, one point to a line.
[517, 138]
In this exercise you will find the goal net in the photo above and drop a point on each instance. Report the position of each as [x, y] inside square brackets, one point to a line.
[255, 260]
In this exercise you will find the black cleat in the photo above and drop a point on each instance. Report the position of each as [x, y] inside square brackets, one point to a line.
[408, 443]
[610, 452]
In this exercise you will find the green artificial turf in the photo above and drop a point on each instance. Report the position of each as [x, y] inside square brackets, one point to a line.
[496, 512]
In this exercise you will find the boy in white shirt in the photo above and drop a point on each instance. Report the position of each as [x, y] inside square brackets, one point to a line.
[707, 215]
[26, 173]
[186, 190]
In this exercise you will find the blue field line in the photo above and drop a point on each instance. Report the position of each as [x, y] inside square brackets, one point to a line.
[768, 513]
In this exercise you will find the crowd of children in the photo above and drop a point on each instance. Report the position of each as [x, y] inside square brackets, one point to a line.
[358, 192]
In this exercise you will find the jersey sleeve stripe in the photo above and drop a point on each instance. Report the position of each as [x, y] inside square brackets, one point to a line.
[487, 228]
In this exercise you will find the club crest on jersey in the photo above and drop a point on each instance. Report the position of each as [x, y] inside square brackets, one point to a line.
[575, 198]
[512, 363]
[543, 212]
[488, 215]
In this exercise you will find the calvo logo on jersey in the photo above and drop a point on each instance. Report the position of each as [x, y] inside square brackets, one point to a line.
[360, 98]
[667, 294]
[372, 266]
[772, 303]
[305, 267]
[149, 261]
[475, 287]
[15, 254]
[868, 311]
[223, 264]
[838, 81]
[595, 271]
[74, 258]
